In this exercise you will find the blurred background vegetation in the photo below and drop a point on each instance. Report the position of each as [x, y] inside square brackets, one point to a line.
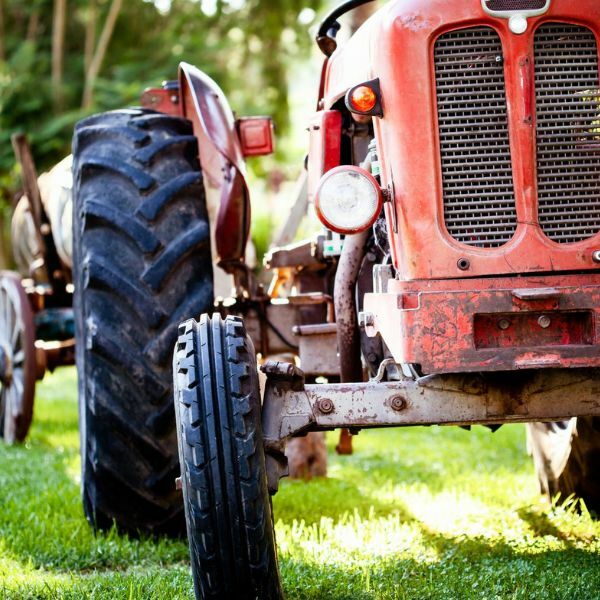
[61, 60]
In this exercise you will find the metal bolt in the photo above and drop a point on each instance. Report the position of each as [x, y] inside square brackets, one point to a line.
[544, 321]
[325, 406]
[463, 264]
[398, 403]
[503, 324]
[596, 256]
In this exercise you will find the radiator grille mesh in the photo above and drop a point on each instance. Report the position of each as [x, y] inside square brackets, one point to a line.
[479, 204]
[515, 5]
[568, 132]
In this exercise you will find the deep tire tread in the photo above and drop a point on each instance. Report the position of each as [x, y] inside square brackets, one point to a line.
[123, 159]
[228, 509]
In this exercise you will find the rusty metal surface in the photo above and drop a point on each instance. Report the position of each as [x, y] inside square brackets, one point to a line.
[222, 161]
[281, 378]
[433, 323]
[371, 273]
[269, 325]
[318, 349]
[396, 47]
[164, 100]
[522, 330]
[271, 322]
[348, 335]
[468, 399]
[300, 254]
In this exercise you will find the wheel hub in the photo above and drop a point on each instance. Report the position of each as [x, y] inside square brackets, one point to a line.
[6, 367]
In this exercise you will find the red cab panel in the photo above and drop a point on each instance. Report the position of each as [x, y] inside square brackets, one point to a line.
[325, 146]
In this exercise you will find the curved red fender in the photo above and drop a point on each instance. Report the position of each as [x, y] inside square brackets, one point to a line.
[205, 105]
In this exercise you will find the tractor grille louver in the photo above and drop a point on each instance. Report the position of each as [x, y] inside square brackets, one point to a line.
[479, 201]
[515, 5]
[568, 131]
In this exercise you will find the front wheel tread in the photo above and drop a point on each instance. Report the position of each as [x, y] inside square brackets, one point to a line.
[228, 509]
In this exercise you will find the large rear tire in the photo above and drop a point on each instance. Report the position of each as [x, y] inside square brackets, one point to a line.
[227, 503]
[566, 456]
[142, 264]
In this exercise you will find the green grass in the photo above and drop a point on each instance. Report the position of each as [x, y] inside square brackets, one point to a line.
[415, 513]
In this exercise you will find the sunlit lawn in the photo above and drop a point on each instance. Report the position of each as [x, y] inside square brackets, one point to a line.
[424, 513]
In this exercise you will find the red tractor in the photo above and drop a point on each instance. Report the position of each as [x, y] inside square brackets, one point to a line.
[455, 164]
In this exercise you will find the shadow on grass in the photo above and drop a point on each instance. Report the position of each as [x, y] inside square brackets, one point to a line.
[42, 521]
[469, 569]
[434, 456]
[328, 498]
[464, 568]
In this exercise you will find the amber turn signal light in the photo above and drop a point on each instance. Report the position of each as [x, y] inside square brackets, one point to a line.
[365, 99]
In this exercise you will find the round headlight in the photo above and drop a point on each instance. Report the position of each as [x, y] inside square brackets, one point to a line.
[348, 200]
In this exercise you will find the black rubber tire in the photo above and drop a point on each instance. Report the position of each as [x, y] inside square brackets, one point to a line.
[566, 456]
[142, 264]
[227, 503]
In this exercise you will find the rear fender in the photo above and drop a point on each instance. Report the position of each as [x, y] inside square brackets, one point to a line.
[223, 165]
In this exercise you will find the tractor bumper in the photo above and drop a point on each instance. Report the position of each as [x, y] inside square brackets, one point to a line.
[475, 325]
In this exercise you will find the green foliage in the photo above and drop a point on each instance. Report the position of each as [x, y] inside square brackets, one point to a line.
[247, 46]
[415, 514]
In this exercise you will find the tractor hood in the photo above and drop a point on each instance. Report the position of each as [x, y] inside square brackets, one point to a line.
[482, 101]
[358, 59]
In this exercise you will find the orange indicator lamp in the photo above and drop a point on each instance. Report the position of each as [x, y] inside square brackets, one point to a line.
[365, 99]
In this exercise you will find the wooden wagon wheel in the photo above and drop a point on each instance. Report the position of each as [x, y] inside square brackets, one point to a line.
[17, 359]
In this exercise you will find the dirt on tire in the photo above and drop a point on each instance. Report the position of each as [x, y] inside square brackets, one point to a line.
[142, 264]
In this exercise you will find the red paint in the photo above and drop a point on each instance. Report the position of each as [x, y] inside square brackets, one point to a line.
[256, 135]
[221, 157]
[444, 331]
[325, 142]
[162, 100]
[396, 46]
[521, 330]
[436, 314]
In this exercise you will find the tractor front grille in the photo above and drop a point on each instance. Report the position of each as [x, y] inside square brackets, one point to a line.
[515, 5]
[568, 131]
[479, 200]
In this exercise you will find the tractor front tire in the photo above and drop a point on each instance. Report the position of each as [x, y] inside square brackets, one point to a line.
[142, 264]
[566, 456]
[227, 503]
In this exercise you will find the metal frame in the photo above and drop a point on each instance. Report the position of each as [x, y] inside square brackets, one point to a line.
[292, 408]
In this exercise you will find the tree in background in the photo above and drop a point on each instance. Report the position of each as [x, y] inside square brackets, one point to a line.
[63, 59]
